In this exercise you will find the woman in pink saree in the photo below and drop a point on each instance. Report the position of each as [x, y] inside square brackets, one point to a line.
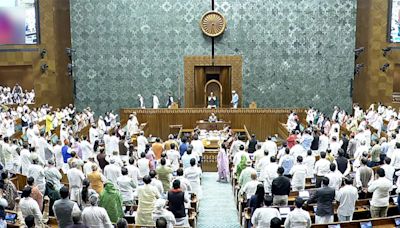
[223, 165]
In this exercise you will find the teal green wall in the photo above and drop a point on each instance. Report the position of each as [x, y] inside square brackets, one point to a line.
[296, 53]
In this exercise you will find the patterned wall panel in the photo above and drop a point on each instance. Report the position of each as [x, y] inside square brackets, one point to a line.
[295, 52]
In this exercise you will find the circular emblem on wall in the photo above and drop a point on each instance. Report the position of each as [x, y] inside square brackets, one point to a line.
[213, 23]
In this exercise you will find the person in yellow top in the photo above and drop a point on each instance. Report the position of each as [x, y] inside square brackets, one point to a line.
[49, 122]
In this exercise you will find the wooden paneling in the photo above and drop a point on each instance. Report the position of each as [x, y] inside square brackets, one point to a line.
[190, 63]
[23, 75]
[373, 85]
[262, 122]
[55, 86]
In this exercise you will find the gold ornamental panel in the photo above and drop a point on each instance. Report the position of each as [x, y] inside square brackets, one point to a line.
[213, 23]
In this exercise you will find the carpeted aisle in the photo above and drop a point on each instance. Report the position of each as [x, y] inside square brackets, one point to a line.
[217, 207]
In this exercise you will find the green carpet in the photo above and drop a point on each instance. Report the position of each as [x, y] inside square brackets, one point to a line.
[217, 206]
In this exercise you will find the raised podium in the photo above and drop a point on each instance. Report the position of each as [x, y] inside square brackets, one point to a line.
[212, 126]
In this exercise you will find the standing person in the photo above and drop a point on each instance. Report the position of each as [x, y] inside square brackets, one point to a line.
[157, 148]
[193, 174]
[147, 195]
[351, 148]
[223, 165]
[176, 203]
[161, 212]
[141, 101]
[132, 125]
[141, 142]
[299, 174]
[95, 216]
[96, 179]
[324, 197]
[75, 178]
[37, 172]
[389, 170]
[164, 174]
[63, 209]
[364, 176]
[347, 197]
[156, 102]
[343, 164]
[321, 169]
[262, 216]
[309, 162]
[126, 186]
[29, 206]
[235, 99]
[170, 100]
[380, 188]
[298, 217]
[335, 177]
[251, 144]
[111, 200]
[280, 189]
[198, 147]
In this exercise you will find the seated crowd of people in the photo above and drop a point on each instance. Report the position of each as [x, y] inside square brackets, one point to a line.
[348, 156]
[108, 178]
[16, 95]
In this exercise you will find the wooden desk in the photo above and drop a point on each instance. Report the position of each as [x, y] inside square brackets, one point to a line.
[262, 122]
[211, 126]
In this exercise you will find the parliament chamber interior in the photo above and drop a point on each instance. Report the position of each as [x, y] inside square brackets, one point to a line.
[200, 113]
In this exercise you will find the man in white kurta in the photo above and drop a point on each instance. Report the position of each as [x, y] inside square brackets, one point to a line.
[299, 174]
[37, 172]
[86, 148]
[141, 142]
[25, 160]
[93, 134]
[156, 102]
[133, 124]
[112, 171]
[75, 178]
[193, 174]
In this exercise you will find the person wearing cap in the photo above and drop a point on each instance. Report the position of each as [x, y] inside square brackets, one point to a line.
[95, 216]
[161, 212]
[141, 142]
[245, 175]
[235, 99]
[87, 167]
[132, 125]
[298, 217]
[53, 175]
[112, 171]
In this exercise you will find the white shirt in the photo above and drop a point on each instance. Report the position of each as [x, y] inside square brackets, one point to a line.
[323, 143]
[126, 186]
[395, 159]
[144, 168]
[347, 197]
[86, 150]
[141, 142]
[96, 217]
[271, 172]
[133, 172]
[262, 216]
[298, 218]
[198, 147]
[29, 206]
[25, 161]
[173, 156]
[114, 143]
[322, 167]
[299, 173]
[389, 171]
[75, 178]
[335, 179]
[309, 161]
[298, 150]
[238, 157]
[112, 172]
[381, 192]
[250, 188]
[156, 102]
[270, 146]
